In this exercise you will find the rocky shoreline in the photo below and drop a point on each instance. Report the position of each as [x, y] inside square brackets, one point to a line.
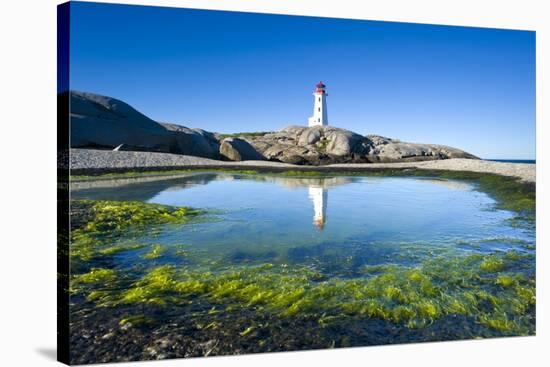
[101, 122]
[90, 162]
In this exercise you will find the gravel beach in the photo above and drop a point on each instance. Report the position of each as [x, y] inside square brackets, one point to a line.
[85, 161]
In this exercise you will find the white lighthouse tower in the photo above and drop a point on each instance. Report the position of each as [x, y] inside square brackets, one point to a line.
[320, 117]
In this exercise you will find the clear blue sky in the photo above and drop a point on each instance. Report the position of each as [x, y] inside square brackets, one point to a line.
[471, 88]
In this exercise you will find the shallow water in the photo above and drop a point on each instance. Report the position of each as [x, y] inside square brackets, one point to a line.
[278, 219]
[301, 234]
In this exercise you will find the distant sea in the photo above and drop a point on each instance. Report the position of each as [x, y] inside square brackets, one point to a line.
[533, 161]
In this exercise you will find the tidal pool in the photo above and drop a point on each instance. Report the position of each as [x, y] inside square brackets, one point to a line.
[276, 263]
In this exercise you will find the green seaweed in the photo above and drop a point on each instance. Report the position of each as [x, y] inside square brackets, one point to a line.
[247, 331]
[505, 280]
[156, 252]
[112, 250]
[155, 173]
[135, 321]
[496, 290]
[411, 297]
[120, 215]
[492, 264]
[96, 275]
[94, 283]
[108, 220]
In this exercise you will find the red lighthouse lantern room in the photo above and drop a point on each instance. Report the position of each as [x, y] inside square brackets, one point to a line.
[320, 88]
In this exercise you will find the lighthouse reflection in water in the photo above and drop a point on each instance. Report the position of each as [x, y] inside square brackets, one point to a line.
[318, 196]
[317, 192]
[253, 216]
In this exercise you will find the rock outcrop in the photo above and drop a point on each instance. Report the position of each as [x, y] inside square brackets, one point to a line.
[391, 150]
[327, 144]
[106, 123]
[312, 145]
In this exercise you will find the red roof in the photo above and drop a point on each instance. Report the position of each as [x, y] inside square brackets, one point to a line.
[320, 85]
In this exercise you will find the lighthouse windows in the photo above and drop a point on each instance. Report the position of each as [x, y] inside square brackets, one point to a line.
[319, 109]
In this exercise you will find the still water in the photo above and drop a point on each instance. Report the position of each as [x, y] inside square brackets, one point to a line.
[376, 220]
[291, 263]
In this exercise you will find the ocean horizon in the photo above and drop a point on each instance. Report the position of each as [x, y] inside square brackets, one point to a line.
[531, 161]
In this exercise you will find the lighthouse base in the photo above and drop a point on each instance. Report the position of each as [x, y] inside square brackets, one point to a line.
[314, 121]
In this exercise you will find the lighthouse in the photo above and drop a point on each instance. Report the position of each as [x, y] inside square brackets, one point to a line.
[320, 117]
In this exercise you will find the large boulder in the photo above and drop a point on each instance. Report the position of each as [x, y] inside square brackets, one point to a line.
[104, 122]
[310, 135]
[99, 121]
[235, 149]
[342, 142]
[195, 142]
[315, 145]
